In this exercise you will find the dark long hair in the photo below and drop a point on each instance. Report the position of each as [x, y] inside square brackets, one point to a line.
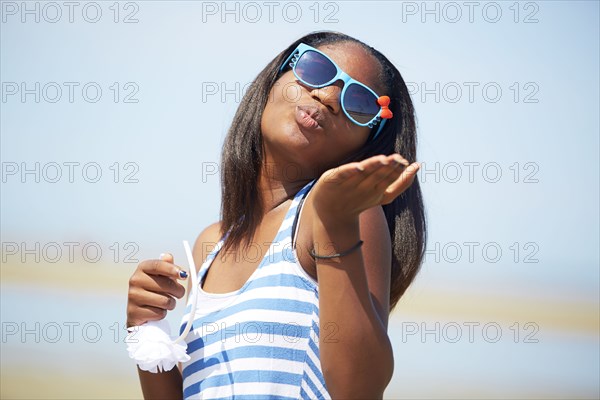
[242, 158]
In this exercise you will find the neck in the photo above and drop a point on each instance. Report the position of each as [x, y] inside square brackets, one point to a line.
[279, 182]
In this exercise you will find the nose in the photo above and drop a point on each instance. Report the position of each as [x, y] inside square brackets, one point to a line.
[329, 96]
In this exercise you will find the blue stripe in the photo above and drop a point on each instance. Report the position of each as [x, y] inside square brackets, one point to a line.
[312, 386]
[294, 306]
[286, 280]
[283, 254]
[269, 352]
[254, 330]
[314, 348]
[303, 394]
[255, 397]
[283, 234]
[315, 327]
[213, 254]
[256, 376]
[316, 371]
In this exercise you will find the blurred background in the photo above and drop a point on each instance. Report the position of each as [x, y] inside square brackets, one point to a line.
[112, 119]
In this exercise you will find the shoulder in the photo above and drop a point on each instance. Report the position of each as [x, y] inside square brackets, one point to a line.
[206, 241]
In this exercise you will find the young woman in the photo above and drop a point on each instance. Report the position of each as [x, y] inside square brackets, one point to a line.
[322, 230]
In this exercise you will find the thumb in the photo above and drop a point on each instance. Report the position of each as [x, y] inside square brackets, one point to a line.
[178, 272]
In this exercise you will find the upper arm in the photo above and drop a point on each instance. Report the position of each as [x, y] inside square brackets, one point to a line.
[377, 256]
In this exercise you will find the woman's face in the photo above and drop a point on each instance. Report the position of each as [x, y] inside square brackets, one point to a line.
[307, 126]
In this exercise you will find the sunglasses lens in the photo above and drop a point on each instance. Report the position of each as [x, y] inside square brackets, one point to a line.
[315, 69]
[360, 103]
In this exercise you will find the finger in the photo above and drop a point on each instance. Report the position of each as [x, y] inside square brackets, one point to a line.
[154, 313]
[371, 164]
[159, 267]
[148, 313]
[400, 164]
[385, 181]
[351, 170]
[403, 181]
[168, 257]
[341, 173]
[160, 284]
[359, 172]
[143, 297]
[400, 159]
[387, 171]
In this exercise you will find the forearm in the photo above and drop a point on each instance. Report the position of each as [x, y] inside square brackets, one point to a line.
[163, 385]
[357, 359]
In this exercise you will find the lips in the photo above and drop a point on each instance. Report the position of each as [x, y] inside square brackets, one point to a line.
[309, 116]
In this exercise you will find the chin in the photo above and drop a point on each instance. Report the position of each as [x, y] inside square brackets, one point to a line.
[291, 135]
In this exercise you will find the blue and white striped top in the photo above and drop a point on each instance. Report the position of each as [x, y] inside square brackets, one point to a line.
[261, 341]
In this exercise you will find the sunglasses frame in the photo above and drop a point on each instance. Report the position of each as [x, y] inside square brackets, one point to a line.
[340, 75]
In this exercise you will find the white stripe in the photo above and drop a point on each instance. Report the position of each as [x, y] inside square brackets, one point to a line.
[275, 268]
[243, 364]
[315, 360]
[267, 292]
[313, 377]
[266, 388]
[263, 340]
[289, 221]
[308, 390]
[311, 354]
[234, 338]
[267, 316]
[279, 292]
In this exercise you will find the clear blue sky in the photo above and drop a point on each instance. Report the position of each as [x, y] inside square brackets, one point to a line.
[540, 132]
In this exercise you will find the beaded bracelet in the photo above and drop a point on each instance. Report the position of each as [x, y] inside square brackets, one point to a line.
[343, 253]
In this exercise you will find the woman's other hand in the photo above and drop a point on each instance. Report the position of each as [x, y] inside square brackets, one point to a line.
[152, 290]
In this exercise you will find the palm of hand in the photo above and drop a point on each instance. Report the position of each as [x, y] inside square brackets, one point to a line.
[349, 189]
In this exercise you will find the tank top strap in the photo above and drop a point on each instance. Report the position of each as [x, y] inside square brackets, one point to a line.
[286, 230]
[211, 256]
[298, 208]
[298, 199]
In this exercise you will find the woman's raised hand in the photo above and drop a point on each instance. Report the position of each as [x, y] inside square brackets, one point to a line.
[348, 190]
[152, 289]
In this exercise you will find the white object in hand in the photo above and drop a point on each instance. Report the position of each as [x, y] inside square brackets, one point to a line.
[150, 345]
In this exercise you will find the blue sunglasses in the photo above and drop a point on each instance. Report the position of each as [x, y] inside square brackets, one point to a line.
[359, 102]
